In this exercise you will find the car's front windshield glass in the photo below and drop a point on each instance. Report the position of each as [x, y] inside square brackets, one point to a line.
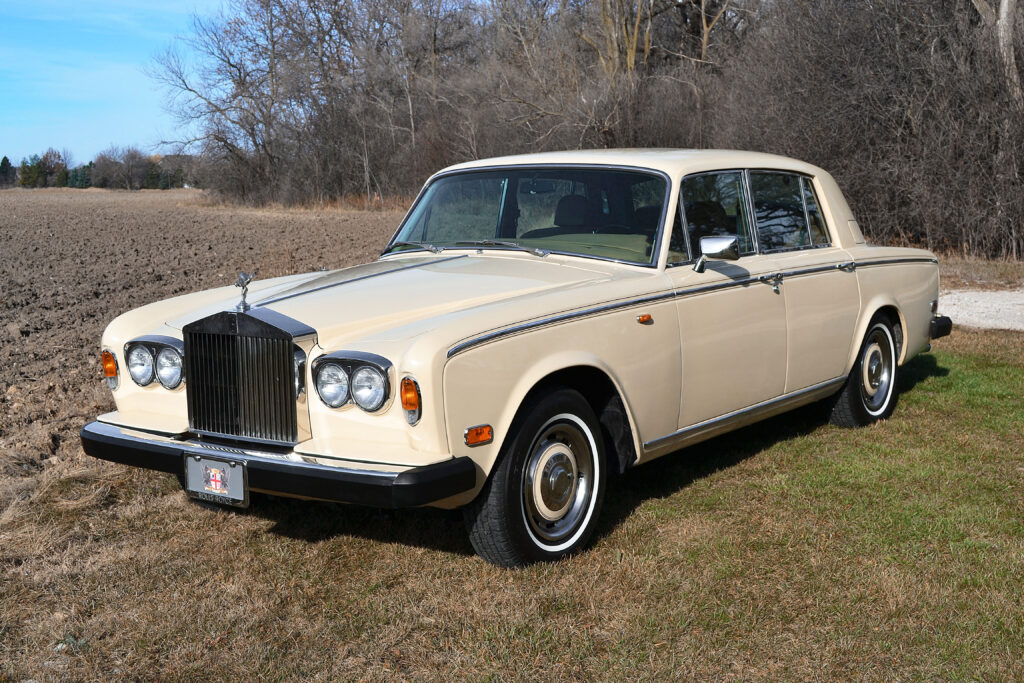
[602, 213]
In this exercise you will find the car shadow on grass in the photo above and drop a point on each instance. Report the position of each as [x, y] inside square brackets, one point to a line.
[315, 521]
[672, 473]
[443, 529]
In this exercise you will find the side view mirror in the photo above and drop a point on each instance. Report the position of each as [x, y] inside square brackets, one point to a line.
[725, 248]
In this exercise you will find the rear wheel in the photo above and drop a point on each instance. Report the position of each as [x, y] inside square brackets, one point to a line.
[870, 391]
[543, 498]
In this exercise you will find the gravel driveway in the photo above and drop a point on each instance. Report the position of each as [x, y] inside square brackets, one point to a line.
[1001, 310]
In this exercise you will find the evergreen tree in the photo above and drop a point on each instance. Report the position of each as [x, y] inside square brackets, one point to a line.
[6, 172]
[62, 178]
[32, 172]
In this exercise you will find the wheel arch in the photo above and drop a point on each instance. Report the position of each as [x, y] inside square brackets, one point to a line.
[582, 371]
[605, 397]
[888, 307]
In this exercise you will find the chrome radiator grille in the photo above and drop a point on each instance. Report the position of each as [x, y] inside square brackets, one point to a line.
[239, 379]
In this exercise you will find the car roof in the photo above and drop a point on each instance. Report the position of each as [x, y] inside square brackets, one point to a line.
[674, 162]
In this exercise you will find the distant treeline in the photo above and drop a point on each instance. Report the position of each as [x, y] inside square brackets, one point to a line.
[915, 105]
[117, 167]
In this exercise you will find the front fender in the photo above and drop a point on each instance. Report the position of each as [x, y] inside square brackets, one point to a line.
[487, 384]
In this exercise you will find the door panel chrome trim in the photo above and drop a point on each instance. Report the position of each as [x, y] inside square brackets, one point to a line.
[743, 412]
[597, 310]
[554, 319]
[675, 294]
[889, 261]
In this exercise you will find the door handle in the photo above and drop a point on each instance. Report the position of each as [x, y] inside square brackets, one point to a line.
[847, 267]
[773, 279]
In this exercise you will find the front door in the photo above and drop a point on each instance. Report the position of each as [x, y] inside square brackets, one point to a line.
[732, 323]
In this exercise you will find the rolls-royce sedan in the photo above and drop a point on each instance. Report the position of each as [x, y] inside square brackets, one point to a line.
[536, 324]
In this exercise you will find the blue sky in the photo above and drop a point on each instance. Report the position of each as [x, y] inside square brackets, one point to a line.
[72, 74]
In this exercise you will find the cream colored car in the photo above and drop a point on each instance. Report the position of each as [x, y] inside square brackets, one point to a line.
[536, 324]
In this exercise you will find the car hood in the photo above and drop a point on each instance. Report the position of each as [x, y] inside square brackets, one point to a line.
[382, 299]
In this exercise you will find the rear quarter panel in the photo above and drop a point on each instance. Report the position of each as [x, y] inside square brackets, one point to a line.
[906, 279]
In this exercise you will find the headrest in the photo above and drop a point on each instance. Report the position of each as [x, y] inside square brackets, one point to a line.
[571, 211]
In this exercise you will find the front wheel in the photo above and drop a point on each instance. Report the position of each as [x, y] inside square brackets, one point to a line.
[543, 498]
[870, 391]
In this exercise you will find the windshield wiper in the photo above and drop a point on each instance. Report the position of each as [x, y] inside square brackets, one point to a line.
[422, 245]
[498, 243]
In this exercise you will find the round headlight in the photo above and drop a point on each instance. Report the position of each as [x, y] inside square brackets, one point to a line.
[140, 365]
[368, 388]
[332, 384]
[168, 367]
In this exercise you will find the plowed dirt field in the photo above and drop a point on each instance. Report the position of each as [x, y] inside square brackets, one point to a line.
[71, 260]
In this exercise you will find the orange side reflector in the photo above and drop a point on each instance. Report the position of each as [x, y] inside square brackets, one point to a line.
[410, 394]
[645, 319]
[479, 435]
[109, 364]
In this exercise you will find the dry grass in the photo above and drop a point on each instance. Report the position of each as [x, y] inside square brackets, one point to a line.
[788, 550]
[959, 272]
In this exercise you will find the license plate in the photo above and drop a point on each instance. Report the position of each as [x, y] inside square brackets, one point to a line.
[217, 481]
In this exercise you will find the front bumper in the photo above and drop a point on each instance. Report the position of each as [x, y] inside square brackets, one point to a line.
[274, 473]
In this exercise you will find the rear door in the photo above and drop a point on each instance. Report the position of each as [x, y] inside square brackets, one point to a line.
[821, 293]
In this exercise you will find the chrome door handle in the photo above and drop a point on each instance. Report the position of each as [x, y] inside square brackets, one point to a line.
[773, 279]
[848, 266]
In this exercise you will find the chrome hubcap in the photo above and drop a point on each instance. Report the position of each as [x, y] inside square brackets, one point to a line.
[553, 488]
[876, 369]
[557, 481]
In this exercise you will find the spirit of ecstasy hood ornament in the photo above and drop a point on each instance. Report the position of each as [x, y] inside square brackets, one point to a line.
[243, 281]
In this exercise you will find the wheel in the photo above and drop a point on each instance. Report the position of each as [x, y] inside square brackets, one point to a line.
[870, 391]
[543, 497]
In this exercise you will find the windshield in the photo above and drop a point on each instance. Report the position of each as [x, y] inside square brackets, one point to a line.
[599, 213]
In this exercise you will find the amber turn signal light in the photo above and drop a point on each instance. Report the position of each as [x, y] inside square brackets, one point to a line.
[109, 364]
[410, 394]
[409, 391]
[479, 435]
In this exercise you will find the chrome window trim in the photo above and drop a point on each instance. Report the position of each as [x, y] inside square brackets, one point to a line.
[660, 232]
[803, 201]
[680, 209]
[804, 178]
[748, 189]
[745, 184]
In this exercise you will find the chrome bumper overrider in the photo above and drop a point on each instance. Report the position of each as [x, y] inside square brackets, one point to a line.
[275, 473]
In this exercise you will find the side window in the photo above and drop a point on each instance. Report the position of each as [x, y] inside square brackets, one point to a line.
[819, 234]
[713, 203]
[677, 251]
[779, 210]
